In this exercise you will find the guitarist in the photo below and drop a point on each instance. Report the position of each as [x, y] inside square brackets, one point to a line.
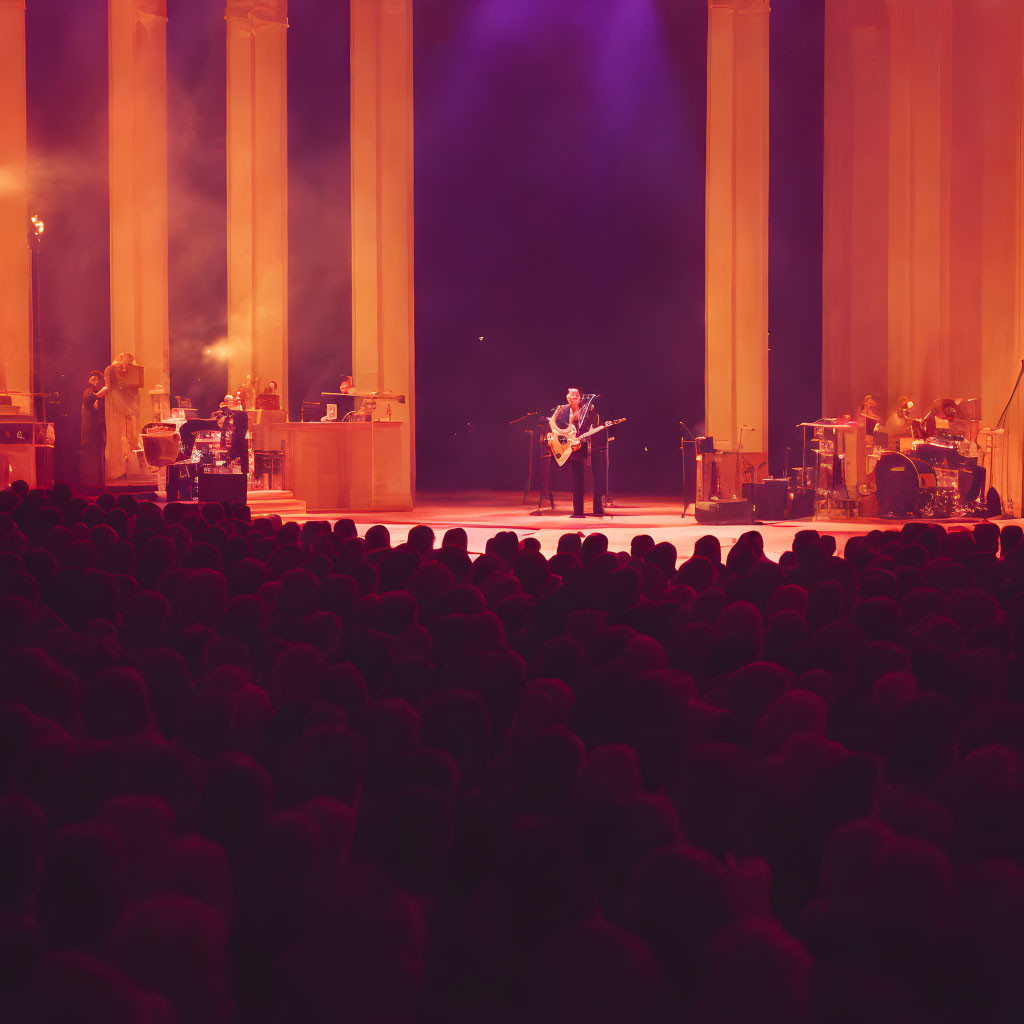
[581, 414]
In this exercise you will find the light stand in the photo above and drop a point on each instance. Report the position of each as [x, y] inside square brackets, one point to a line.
[36, 228]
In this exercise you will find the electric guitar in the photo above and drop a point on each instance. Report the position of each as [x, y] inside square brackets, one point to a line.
[563, 442]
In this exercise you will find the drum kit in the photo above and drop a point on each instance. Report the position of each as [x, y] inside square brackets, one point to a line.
[937, 472]
[934, 471]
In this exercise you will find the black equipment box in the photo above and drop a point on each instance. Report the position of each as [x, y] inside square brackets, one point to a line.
[215, 485]
[312, 412]
[770, 496]
[724, 511]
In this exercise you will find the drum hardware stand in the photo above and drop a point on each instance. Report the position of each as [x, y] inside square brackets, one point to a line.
[545, 473]
[606, 498]
[682, 452]
[532, 431]
[1000, 427]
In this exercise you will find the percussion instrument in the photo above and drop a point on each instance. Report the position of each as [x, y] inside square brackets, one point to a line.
[905, 484]
[160, 443]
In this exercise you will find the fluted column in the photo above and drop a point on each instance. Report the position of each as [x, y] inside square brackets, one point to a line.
[919, 197]
[138, 195]
[855, 286]
[382, 216]
[257, 173]
[737, 226]
[15, 259]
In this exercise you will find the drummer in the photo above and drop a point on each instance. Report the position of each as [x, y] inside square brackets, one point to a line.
[943, 413]
[900, 422]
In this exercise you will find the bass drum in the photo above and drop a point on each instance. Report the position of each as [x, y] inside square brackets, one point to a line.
[905, 485]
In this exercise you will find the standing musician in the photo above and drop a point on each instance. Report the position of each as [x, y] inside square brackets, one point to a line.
[234, 423]
[581, 414]
[94, 434]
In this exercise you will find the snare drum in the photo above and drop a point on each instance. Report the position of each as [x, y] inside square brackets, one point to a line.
[905, 484]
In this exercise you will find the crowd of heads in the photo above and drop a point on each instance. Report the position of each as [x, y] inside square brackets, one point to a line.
[252, 771]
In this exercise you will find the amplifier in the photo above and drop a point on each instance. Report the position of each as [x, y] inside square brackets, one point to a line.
[770, 499]
[218, 486]
[724, 511]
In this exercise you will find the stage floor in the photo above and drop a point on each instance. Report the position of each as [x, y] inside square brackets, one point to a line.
[484, 513]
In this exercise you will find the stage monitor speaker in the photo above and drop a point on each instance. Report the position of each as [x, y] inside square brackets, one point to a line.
[222, 487]
[770, 499]
[802, 505]
[724, 512]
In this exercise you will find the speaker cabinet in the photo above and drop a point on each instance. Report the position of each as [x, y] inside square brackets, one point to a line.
[724, 512]
[770, 499]
[222, 487]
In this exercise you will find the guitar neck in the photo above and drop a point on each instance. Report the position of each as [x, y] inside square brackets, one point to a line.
[603, 426]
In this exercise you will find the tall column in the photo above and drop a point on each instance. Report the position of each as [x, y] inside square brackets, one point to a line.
[382, 217]
[855, 288]
[138, 197]
[15, 259]
[737, 226]
[257, 171]
[919, 198]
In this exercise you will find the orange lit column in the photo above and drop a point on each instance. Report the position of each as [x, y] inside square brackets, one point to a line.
[382, 220]
[736, 267]
[855, 285]
[138, 195]
[257, 171]
[988, 41]
[15, 259]
[920, 362]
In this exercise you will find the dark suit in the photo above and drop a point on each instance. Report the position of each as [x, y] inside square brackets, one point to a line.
[232, 437]
[593, 450]
[94, 441]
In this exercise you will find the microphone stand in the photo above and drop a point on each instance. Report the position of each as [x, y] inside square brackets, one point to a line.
[525, 416]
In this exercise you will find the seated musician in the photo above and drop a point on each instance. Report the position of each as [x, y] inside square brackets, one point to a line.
[868, 415]
[187, 432]
[900, 423]
[941, 417]
[582, 415]
[233, 424]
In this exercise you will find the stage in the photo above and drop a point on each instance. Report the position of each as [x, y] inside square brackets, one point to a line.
[483, 513]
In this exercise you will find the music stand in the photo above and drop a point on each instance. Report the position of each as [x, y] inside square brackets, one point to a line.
[536, 432]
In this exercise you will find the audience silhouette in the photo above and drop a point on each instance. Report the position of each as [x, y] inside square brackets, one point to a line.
[258, 772]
